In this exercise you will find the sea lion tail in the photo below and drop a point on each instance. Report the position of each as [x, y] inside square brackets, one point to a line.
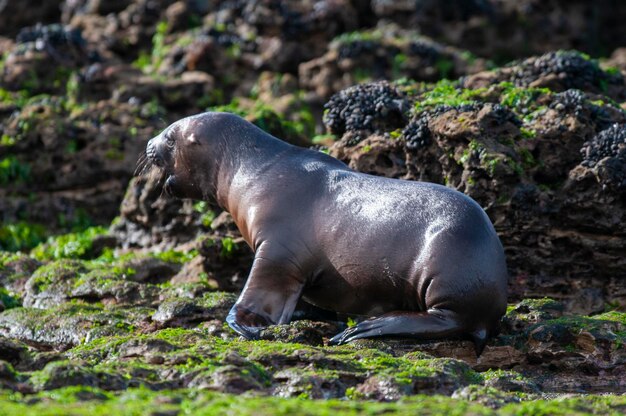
[479, 336]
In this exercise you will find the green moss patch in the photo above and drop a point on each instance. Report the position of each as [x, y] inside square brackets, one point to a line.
[77, 245]
[94, 402]
[68, 324]
[21, 236]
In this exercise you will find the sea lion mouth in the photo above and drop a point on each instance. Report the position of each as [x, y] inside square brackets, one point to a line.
[169, 187]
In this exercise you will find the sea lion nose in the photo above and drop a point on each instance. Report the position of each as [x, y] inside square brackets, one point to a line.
[152, 153]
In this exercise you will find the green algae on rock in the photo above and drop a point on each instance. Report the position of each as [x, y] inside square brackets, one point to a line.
[93, 401]
[185, 312]
[66, 325]
[193, 358]
[528, 141]
[64, 374]
[78, 245]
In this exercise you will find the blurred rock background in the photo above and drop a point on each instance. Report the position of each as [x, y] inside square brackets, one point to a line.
[519, 104]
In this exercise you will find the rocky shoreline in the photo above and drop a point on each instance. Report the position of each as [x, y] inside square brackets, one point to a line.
[113, 296]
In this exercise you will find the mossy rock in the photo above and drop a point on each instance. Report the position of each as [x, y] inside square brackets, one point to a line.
[63, 374]
[68, 324]
[83, 400]
[50, 283]
[185, 312]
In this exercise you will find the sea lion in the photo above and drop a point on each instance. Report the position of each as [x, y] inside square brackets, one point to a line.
[424, 260]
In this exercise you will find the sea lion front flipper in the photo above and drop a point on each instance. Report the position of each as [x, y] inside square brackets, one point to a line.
[270, 295]
[432, 324]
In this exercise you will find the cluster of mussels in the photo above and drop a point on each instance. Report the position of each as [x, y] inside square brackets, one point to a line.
[354, 49]
[576, 102]
[427, 50]
[54, 39]
[417, 133]
[606, 152]
[365, 109]
[573, 71]
[609, 143]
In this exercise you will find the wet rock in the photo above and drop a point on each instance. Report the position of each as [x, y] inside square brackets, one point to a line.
[495, 28]
[284, 354]
[593, 343]
[66, 325]
[148, 349]
[558, 382]
[312, 385]
[286, 33]
[214, 53]
[12, 351]
[100, 7]
[16, 15]
[188, 312]
[37, 360]
[617, 60]
[193, 273]
[383, 389]
[488, 396]
[529, 312]
[386, 52]
[76, 164]
[229, 379]
[15, 273]
[63, 280]
[7, 373]
[376, 155]
[61, 374]
[148, 219]
[151, 270]
[301, 332]
[111, 288]
[559, 71]
[49, 285]
[366, 109]
[500, 352]
[608, 144]
[218, 328]
[173, 94]
[10, 379]
[227, 261]
[28, 64]
[441, 376]
[510, 381]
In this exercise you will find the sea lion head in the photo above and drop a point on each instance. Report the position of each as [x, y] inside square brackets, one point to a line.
[185, 154]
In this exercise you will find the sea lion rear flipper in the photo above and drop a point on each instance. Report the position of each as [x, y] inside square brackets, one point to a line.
[433, 324]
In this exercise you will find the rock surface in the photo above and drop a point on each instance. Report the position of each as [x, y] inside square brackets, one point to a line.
[113, 297]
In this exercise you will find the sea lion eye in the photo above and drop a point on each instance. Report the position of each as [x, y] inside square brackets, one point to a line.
[169, 140]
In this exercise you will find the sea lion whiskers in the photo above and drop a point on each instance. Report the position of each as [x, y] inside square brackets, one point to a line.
[143, 163]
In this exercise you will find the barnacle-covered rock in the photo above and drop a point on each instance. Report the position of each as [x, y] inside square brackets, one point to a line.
[606, 155]
[560, 70]
[608, 143]
[386, 52]
[366, 109]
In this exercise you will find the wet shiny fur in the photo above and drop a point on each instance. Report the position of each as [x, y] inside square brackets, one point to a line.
[422, 260]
